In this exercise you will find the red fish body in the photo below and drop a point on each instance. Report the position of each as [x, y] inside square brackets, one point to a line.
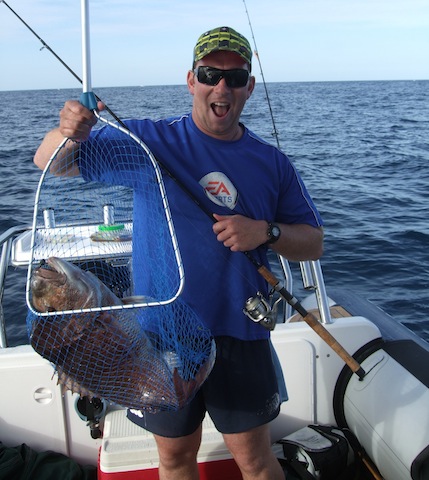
[103, 353]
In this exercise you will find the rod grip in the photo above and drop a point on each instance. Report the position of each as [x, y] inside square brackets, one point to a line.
[330, 340]
[314, 323]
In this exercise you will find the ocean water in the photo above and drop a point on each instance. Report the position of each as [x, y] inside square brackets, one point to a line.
[361, 147]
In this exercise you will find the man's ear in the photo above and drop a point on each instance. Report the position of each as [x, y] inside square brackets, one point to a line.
[190, 81]
[250, 87]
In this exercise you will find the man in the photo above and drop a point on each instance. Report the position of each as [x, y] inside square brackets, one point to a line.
[259, 202]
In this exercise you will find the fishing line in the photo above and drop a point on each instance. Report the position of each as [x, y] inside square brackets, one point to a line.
[308, 317]
[45, 45]
[275, 132]
[168, 173]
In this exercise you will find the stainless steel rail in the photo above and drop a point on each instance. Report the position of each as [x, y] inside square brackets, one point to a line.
[6, 240]
[312, 278]
[311, 272]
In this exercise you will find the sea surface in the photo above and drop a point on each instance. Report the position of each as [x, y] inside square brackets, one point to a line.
[361, 147]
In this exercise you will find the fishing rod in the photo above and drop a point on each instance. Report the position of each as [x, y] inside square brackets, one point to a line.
[271, 279]
[45, 45]
[275, 132]
[309, 318]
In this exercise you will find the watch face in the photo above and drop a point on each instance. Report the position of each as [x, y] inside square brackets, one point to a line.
[275, 231]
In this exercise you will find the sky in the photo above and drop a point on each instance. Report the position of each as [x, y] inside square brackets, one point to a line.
[150, 42]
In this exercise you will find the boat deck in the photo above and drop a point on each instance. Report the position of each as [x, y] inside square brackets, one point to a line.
[337, 311]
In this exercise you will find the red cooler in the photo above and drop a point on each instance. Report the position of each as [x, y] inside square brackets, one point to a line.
[129, 452]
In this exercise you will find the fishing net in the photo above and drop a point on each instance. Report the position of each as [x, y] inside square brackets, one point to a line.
[105, 277]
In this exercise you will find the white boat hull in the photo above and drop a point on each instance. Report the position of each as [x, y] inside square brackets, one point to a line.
[388, 410]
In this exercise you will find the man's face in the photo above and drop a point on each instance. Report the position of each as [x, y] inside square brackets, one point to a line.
[216, 109]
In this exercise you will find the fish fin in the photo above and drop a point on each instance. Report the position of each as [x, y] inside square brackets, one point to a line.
[184, 389]
[68, 383]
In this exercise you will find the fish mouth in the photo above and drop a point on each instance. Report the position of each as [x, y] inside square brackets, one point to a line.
[75, 284]
[51, 270]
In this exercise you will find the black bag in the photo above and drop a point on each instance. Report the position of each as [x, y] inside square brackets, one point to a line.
[24, 463]
[320, 452]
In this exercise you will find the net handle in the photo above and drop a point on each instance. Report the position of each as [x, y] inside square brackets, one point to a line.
[87, 97]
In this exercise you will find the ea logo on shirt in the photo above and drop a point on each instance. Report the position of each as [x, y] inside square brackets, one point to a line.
[219, 189]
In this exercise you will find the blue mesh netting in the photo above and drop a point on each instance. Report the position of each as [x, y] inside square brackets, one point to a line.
[96, 242]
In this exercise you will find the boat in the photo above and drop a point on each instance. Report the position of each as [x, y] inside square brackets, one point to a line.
[387, 409]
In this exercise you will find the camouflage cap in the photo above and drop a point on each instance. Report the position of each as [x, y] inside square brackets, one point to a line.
[225, 39]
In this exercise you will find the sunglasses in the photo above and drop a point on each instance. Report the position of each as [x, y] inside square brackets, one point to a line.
[235, 78]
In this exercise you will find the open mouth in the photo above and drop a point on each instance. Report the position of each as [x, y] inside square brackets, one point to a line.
[45, 267]
[48, 271]
[220, 109]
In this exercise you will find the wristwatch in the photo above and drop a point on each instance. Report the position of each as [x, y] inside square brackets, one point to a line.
[273, 233]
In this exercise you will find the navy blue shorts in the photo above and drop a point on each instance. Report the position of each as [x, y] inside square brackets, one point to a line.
[240, 393]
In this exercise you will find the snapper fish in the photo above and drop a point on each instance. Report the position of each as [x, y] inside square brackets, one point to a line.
[105, 353]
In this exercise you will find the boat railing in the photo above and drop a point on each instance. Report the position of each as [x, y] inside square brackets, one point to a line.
[287, 283]
[312, 279]
[311, 273]
[6, 240]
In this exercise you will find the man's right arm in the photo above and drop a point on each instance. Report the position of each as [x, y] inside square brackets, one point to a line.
[76, 122]
[63, 164]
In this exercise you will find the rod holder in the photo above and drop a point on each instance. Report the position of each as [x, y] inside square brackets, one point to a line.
[49, 217]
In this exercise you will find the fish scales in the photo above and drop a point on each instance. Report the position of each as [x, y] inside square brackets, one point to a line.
[104, 353]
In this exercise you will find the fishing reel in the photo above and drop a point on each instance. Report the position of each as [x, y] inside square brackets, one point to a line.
[259, 310]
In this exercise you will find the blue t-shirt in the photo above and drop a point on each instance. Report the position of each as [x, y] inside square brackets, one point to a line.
[248, 177]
